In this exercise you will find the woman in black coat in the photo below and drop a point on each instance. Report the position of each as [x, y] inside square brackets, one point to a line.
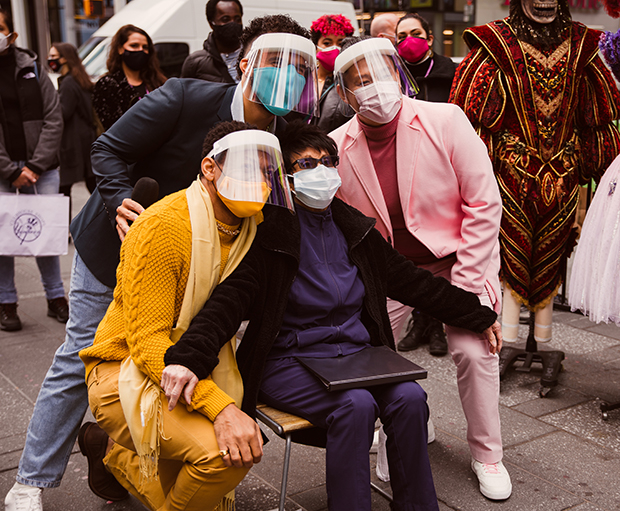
[133, 72]
[75, 90]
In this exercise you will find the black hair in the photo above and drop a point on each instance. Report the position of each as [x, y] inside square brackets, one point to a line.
[350, 41]
[414, 15]
[220, 130]
[8, 19]
[212, 4]
[273, 23]
[299, 136]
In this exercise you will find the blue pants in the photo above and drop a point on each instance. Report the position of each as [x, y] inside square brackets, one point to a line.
[49, 267]
[349, 417]
[63, 398]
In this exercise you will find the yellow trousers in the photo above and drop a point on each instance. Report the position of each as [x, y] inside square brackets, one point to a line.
[192, 475]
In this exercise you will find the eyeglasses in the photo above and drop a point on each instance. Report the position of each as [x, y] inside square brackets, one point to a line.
[311, 163]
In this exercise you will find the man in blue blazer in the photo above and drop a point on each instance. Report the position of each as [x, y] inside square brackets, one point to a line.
[160, 137]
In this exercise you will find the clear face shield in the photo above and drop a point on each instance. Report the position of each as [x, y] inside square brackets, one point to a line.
[374, 62]
[252, 172]
[281, 74]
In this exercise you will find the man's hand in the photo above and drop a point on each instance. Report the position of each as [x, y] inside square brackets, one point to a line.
[128, 211]
[26, 178]
[177, 379]
[239, 436]
[494, 336]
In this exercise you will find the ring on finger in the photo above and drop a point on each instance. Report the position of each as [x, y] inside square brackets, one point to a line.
[224, 452]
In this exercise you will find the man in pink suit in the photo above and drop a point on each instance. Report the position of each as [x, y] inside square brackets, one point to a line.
[421, 170]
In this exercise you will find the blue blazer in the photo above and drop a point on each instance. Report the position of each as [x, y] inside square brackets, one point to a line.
[160, 137]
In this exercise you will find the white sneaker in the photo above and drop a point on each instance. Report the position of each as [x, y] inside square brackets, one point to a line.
[23, 498]
[375, 442]
[383, 471]
[493, 478]
[431, 431]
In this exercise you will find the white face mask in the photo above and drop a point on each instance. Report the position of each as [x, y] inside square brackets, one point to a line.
[379, 101]
[316, 187]
[4, 42]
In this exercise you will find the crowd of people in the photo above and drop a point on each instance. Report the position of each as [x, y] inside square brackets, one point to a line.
[323, 186]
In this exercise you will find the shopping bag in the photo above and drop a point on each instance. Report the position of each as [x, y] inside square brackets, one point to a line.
[33, 225]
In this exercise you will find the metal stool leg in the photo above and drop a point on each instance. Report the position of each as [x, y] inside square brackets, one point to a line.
[287, 458]
[381, 492]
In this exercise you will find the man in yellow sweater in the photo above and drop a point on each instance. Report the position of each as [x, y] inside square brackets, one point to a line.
[172, 258]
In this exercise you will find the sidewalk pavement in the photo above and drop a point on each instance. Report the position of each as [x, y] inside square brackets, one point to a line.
[560, 453]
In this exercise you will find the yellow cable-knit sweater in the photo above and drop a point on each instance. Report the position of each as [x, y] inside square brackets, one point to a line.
[151, 279]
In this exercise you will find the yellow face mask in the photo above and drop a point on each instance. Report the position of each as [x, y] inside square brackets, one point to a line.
[245, 208]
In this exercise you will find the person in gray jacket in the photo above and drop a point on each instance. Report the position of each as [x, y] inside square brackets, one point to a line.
[217, 61]
[30, 134]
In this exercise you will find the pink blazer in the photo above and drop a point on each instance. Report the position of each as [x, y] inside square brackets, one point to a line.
[450, 197]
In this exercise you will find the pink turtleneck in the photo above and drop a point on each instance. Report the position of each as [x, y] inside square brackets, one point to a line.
[382, 145]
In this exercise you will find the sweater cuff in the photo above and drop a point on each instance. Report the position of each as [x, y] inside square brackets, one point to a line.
[197, 363]
[36, 169]
[215, 402]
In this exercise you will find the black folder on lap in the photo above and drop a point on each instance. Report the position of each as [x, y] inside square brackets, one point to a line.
[376, 365]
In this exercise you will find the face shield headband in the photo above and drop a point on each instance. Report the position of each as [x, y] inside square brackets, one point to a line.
[281, 74]
[373, 61]
[251, 168]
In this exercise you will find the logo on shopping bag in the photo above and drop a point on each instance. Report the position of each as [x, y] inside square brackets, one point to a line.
[27, 227]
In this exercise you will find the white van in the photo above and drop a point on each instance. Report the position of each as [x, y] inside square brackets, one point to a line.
[179, 27]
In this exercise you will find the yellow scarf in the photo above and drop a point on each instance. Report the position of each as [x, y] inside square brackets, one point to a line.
[140, 396]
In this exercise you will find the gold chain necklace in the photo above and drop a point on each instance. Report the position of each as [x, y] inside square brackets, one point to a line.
[223, 229]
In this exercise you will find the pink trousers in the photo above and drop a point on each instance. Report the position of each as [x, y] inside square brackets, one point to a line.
[477, 375]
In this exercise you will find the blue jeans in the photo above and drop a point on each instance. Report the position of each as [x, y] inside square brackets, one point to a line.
[63, 398]
[49, 267]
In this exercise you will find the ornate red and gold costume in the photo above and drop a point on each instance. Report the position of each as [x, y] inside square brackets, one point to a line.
[545, 116]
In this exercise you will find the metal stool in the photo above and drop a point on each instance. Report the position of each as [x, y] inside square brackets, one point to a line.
[285, 425]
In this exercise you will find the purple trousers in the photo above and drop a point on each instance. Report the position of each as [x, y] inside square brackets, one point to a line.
[349, 417]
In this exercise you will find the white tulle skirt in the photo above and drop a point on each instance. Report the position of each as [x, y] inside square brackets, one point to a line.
[595, 278]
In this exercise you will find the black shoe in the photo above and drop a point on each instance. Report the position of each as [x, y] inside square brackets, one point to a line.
[93, 442]
[416, 336]
[9, 320]
[58, 308]
[437, 345]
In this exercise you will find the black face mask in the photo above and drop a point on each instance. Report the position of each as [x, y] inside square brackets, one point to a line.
[54, 64]
[228, 34]
[136, 60]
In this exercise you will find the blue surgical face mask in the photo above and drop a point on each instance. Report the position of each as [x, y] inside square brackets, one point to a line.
[268, 82]
[316, 187]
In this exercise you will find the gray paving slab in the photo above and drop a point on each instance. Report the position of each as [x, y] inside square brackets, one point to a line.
[25, 371]
[575, 340]
[570, 462]
[15, 410]
[10, 451]
[592, 377]
[584, 421]
[457, 486]
[587, 507]
[609, 330]
[561, 398]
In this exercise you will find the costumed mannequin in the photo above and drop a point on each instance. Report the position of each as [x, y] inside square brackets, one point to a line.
[543, 101]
